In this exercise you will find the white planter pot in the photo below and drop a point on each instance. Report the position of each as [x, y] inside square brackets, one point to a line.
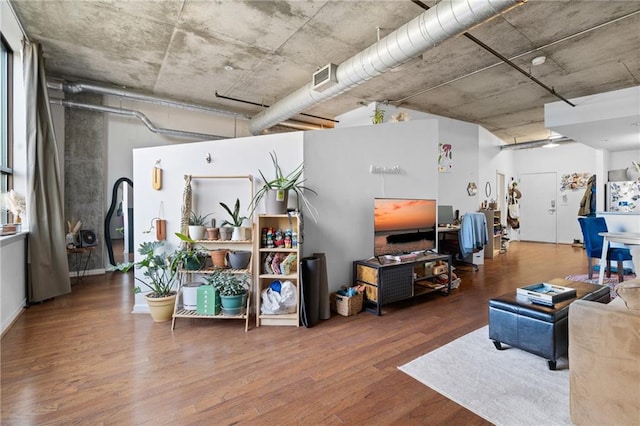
[197, 232]
[190, 296]
[237, 234]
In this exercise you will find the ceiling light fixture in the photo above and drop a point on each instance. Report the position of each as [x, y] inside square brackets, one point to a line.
[538, 60]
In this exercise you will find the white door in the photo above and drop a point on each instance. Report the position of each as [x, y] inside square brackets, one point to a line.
[538, 212]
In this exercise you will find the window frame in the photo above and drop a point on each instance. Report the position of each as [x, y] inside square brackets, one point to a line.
[6, 139]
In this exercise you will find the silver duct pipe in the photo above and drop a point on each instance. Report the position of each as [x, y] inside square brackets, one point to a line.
[81, 86]
[78, 87]
[536, 144]
[447, 19]
[139, 115]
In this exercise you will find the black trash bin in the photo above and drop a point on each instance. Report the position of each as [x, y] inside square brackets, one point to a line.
[310, 291]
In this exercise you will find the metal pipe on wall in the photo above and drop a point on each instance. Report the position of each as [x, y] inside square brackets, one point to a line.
[140, 116]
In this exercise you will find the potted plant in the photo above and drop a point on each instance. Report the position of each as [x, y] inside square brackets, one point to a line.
[277, 189]
[14, 203]
[378, 116]
[187, 256]
[160, 272]
[197, 227]
[236, 219]
[232, 289]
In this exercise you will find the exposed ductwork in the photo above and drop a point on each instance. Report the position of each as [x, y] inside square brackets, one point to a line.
[537, 144]
[447, 19]
[83, 86]
[139, 115]
[79, 87]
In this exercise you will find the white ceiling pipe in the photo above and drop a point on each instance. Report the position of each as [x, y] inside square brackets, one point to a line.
[447, 19]
[83, 86]
[140, 116]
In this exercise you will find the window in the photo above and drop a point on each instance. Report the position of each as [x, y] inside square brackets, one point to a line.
[6, 133]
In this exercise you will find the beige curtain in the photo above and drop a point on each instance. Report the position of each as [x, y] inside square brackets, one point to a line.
[48, 267]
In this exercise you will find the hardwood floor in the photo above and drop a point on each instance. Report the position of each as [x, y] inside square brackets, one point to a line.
[83, 358]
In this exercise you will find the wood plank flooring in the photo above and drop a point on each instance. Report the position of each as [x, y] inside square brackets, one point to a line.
[83, 358]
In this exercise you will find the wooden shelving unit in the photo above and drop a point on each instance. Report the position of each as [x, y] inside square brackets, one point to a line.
[494, 229]
[179, 311]
[265, 278]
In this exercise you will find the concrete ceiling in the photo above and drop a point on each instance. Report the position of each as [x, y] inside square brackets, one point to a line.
[261, 51]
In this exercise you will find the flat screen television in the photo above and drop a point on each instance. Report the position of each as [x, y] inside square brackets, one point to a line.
[403, 225]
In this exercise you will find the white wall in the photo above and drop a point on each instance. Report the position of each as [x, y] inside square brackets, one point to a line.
[452, 187]
[622, 159]
[124, 134]
[13, 296]
[564, 159]
[491, 161]
[337, 166]
[230, 157]
[464, 138]
[12, 260]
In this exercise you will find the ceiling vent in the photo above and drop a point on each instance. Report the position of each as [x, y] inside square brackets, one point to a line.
[325, 77]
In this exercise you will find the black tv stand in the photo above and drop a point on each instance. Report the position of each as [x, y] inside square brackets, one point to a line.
[387, 281]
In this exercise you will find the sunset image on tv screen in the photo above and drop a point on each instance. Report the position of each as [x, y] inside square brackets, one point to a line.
[396, 214]
[404, 225]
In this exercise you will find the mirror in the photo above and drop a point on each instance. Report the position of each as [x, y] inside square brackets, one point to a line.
[487, 189]
[118, 223]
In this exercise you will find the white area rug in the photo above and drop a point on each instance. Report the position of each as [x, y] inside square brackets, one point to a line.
[509, 387]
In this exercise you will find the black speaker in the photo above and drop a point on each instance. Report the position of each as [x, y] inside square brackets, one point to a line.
[86, 238]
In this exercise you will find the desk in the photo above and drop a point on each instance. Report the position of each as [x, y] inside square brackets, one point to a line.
[443, 231]
[629, 239]
[77, 253]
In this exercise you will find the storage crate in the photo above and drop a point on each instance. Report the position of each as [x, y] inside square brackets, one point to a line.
[370, 292]
[346, 306]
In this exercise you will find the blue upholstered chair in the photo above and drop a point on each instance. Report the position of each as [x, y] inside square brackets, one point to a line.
[591, 227]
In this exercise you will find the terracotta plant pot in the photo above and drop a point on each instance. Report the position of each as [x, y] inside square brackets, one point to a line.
[213, 233]
[218, 257]
[161, 308]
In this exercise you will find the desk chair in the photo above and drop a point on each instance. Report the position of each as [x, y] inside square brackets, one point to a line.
[591, 227]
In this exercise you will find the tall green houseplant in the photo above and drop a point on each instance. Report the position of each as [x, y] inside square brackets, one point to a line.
[283, 183]
[158, 268]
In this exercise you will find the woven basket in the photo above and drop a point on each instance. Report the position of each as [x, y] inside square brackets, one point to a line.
[346, 306]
